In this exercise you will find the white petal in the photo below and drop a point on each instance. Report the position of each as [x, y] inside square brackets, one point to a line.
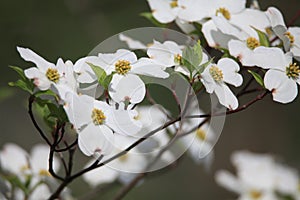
[162, 54]
[123, 122]
[295, 31]
[41, 192]
[39, 159]
[226, 97]
[94, 90]
[213, 36]
[132, 44]
[250, 18]
[228, 181]
[129, 87]
[232, 5]
[121, 54]
[225, 27]
[275, 17]
[31, 56]
[96, 140]
[185, 26]
[287, 179]
[86, 74]
[285, 89]
[196, 10]
[13, 158]
[207, 80]
[240, 50]
[40, 80]
[79, 109]
[100, 175]
[162, 11]
[146, 66]
[230, 71]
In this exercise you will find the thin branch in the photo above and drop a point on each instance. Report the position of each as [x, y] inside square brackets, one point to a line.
[68, 147]
[30, 103]
[241, 108]
[127, 188]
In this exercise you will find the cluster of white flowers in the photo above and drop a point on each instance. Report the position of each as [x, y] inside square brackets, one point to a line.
[254, 37]
[108, 126]
[102, 96]
[27, 175]
[259, 176]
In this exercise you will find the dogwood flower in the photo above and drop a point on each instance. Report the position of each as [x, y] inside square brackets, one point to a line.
[89, 118]
[14, 159]
[126, 85]
[199, 142]
[282, 77]
[32, 168]
[289, 36]
[124, 168]
[45, 73]
[259, 177]
[239, 27]
[164, 11]
[215, 76]
[167, 54]
[197, 10]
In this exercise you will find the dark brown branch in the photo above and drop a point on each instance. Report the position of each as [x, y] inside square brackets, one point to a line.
[68, 147]
[30, 103]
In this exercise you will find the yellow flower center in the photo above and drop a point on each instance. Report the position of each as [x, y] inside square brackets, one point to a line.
[98, 116]
[123, 158]
[52, 75]
[174, 4]
[44, 172]
[269, 31]
[224, 12]
[216, 73]
[252, 43]
[290, 37]
[254, 194]
[201, 134]
[24, 168]
[122, 67]
[293, 71]
[178, 59]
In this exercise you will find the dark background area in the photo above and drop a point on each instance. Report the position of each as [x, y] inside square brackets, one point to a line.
[71, 28]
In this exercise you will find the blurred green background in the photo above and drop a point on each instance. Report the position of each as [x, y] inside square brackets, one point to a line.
[71, 28]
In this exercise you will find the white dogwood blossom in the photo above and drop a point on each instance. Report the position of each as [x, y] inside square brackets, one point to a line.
[289, 36]
[215, 77]
[259, 177]
[45, 73]
[126, 85]
[164, 11]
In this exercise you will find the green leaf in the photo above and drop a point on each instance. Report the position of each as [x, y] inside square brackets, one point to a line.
[149, 16]
[16, 182]
[263, 38]
[107, 81]
[202, 67]
[19, 71]
[23, 83]
[257, 77]
[50, 112]
[192, 57]
[103, 79]
[100, 73]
